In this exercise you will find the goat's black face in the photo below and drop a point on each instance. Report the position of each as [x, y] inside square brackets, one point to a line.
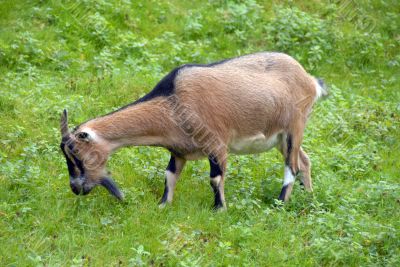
[76, 169]
[85, 161]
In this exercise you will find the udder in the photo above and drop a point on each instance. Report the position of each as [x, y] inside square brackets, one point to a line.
[253, 144]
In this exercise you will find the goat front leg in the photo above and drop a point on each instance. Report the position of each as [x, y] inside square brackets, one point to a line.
[217, 174]
[305, 171]
[172, 173]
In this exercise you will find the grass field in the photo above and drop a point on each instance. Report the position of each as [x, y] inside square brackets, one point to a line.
[92, 57]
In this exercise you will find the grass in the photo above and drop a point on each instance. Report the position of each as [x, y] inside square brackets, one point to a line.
[93, 56]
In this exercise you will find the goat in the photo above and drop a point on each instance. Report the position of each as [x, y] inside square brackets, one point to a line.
[242, 105]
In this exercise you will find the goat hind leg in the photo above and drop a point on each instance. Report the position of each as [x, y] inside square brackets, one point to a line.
[217, 175]
[290, 148]
[305, 169]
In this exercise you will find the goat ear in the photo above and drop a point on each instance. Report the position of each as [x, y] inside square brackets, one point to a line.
[83, 136]
[64, 124]
[112, 188]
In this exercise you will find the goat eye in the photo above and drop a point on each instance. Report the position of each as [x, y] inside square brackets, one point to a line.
[83, 135]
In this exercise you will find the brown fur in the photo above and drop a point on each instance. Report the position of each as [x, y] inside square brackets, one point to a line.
[268, 93]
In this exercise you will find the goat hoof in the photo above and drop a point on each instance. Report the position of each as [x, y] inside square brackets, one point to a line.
[219, 208]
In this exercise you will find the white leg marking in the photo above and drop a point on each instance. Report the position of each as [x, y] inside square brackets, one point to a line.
[289, 178]
[216, 180]
[171, 182]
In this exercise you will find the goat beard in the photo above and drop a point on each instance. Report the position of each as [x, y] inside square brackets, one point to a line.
[112, 187]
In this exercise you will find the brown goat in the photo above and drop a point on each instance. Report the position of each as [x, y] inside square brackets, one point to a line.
[243, 105]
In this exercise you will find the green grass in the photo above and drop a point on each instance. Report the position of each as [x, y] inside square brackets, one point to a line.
[95, 56]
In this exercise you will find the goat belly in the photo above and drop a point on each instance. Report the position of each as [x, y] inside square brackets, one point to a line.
[253, 144]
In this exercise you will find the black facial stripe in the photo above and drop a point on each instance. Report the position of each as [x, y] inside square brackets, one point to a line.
[71, 146]
[78, 162]
[71, 166]
[215, 169]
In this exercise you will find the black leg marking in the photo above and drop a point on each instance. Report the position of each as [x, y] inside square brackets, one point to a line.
[283, 193]
[171, 165]
[217, 196]
[172, 168]
[165, 195]
[216, 178]
[215, 169]
[289, 143]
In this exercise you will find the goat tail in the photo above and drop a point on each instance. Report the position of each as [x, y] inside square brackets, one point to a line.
[321, 88]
